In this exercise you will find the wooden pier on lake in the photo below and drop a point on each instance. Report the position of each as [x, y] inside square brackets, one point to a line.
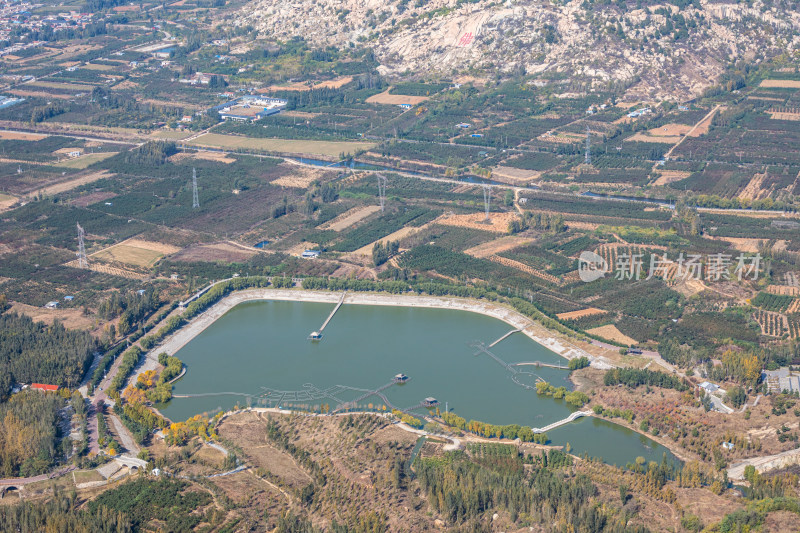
[317, 335]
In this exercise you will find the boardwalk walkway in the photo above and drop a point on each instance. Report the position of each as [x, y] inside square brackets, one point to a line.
[504, 337]
[541, 364]
[570, 418]
[482, 348]
[341, 301]
[316, 335]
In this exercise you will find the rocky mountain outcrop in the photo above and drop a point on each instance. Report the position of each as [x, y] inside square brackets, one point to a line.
[654, 50]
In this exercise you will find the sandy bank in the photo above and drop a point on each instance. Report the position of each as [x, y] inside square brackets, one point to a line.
[550, 340]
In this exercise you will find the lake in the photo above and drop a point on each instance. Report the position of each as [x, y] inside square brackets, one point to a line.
[259, 354]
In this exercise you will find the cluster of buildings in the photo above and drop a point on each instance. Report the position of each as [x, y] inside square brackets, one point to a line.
[35, 386]
[20, 15]
[8, 101]
[640, 112]
[250, 108]
[199, 78]
[17, 47]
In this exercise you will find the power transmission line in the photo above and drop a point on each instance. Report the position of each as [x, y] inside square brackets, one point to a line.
[382, 190]
[83, 261]
[487, 198]
[195, 196]
[588, 158]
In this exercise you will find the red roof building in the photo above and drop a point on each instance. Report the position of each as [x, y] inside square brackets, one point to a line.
[41, 386]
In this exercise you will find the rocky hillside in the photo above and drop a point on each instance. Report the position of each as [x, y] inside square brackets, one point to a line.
[655, 50]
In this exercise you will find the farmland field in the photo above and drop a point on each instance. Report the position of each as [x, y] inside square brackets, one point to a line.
[21, 136]
[783, 84]
[613, 334]
[134, 252]
[395, 99]
[171, 135]
[6, 200]
[349, 218]
[86, 160]
[324, 148]
[59, 85]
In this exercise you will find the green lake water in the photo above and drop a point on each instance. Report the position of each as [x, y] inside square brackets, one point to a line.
[260, 351]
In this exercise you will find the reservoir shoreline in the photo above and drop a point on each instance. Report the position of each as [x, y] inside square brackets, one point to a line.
[551, 340]
[554, 342]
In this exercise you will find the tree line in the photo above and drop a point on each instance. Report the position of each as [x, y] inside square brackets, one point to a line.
[33, 352]
[463, 491]
[28, 433]
[634, 377]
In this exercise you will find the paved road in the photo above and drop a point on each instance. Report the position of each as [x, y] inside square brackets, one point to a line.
[91, 427]
[124, 435]
[718, 405]
[655, 356]
[27, 480]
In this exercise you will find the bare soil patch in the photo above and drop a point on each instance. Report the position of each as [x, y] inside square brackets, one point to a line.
[85, 160]
[60, 85]
[577, 224]
[6, 201]
[300, 177]
[21, 136]
[572, 315]
[743, 244]
[300, 114]
[524, 268]
[645, 138]
[337, 83]
[223, 252]
[701, 128]
[784, 290]
[782, 84]
[250, 432]
[498, 222]
[395, 99]
[349, 218]
[93, 198]
[39, 94]
[71, 184]
[96, 66]
[130, 255]
[398, 235]
[754, 189]
[184, 105]
[670, 176]
[780, 115]
[690, 287]
[611, 333]
[668, 130]
[127, 84]
[503, 244]
[514, 176]
[218, 157]
[135, 252]
[71, 318]
[173, 135]
[296, 146]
